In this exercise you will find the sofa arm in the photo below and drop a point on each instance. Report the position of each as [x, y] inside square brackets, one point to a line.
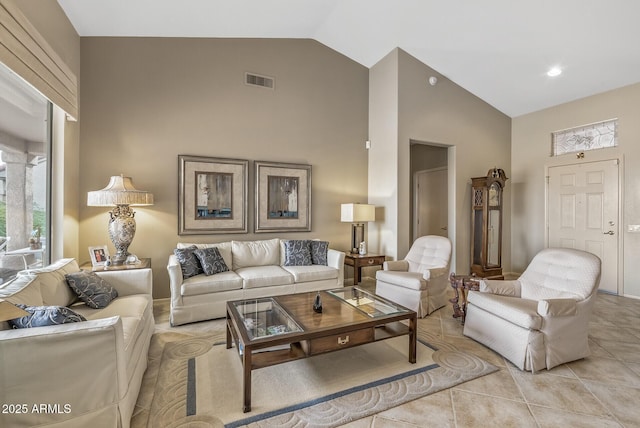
[396, 265]
[128, 282]
[175, 278]
[79, 366]
[503, 288]
[557, 307]
[335, 259]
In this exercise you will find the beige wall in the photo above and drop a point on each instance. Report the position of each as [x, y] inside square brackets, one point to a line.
[383, 155]
[51, 22]
[448, 115]
[531, 142]
[145, 101]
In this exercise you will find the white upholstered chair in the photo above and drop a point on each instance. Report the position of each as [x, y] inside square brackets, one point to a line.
[541, 319]
[420, 281]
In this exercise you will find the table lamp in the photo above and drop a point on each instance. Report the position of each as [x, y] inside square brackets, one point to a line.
[121, 195]
[357, 215]
[9, 311]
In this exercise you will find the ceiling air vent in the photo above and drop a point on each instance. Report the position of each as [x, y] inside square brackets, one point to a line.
[257, 80]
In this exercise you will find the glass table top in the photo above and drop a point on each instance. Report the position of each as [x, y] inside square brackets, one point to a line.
[264, 317]
[372, 305]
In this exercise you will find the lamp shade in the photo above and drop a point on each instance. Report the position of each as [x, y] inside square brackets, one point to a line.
[357, 213]
[8, 311]
[119, 191]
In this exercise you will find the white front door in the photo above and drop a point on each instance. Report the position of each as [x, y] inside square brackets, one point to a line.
[431, 203]
[583, 213]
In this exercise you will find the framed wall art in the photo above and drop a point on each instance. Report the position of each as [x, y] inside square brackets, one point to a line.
[283, 197]
[212, 195]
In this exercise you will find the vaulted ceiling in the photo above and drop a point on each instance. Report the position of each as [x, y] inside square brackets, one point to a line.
[499, 50]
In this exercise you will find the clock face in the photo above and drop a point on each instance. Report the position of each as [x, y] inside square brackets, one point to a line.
[494, 195]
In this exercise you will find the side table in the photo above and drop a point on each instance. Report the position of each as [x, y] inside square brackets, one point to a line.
[358, 261]
[143, 264]
[461, 284]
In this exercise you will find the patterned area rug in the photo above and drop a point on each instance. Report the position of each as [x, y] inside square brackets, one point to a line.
[199, 383]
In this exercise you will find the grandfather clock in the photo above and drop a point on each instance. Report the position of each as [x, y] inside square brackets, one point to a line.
[486, 224]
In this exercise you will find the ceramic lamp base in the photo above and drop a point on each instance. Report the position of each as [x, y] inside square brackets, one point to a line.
[122, 229]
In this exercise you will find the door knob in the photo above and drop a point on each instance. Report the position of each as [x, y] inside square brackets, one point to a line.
[609, 233]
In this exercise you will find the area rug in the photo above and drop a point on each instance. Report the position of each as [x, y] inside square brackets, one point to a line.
[199, 383]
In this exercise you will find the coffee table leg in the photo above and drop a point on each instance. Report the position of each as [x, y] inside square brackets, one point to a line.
[246, 367]
[413, 324]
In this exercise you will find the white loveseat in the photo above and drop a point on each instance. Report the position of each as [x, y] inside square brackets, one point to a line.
[81, 374]
[256, 269]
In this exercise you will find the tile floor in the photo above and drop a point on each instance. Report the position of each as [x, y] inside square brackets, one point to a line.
[600, 391]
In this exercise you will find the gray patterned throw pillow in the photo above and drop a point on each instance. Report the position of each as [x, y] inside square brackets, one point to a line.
[42, 316]
[94, 291]
[319, 250]
[297, 252]
[211, 260]
[188, 261]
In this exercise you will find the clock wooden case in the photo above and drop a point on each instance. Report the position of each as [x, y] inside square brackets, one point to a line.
[486, 224]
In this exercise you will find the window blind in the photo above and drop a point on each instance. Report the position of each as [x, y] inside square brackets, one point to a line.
[28, 54]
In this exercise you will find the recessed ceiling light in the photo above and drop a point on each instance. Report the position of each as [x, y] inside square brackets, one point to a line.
[554, 71]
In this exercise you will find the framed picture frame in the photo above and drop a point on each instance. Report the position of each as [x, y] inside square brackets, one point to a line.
[99, 255]
[212, 195]
[283, 197]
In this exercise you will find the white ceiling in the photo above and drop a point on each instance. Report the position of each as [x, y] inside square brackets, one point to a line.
[498, 50]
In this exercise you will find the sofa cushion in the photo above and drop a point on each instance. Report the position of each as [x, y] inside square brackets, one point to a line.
[128, 306]
[223, 247]
[264, 276]
[297, 252]
[188, 261]
[410, 280]
[92, 289]
[211, 260]
[53, 285]
[202, 284]
[311, 273]
[255, 253]
[42, 316]
[319, 251]
[23, 289]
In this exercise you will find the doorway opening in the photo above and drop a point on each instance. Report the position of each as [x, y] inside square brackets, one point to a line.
[429, 189]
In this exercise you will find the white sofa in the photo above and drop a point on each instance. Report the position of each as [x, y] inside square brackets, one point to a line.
[256, 269]
[82, 374]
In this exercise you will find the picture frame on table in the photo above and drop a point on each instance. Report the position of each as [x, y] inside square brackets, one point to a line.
[99, 255]
[283, 197]
[212, 195]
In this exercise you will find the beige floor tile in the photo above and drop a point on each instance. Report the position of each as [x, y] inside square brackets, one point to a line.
[360, 423]
[558, 392]
[499, 384]
[549, 418]
[605, 370]
[625, 351]
[474, 410]
[622, 401]
[431, 411]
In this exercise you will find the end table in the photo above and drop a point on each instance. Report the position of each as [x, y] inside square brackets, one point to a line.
[358, 261]
[461, 284]
[144, 264]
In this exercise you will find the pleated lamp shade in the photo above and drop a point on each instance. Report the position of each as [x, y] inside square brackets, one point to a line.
[119, 191]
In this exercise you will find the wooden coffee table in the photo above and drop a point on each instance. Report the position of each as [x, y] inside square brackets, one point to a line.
[279, 329]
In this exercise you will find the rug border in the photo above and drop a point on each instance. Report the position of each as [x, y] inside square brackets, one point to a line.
[191, 398]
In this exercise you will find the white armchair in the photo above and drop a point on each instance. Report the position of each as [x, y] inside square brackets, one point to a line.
[541, 319]
[420, 281]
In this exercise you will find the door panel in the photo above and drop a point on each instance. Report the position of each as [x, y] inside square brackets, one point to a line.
[583, 213]
[431, 202]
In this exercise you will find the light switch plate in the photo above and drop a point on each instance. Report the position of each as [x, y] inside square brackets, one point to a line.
[633, 228]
